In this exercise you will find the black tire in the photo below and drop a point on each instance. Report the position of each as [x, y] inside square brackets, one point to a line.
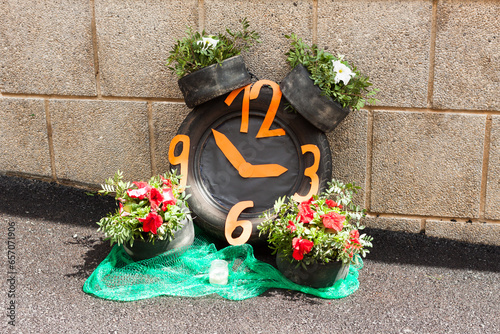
[208, 215]
[214, 80]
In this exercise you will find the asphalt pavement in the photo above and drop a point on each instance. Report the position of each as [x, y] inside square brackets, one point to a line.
[410, 283]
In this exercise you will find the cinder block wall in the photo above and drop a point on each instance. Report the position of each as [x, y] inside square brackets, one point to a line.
[84, 92]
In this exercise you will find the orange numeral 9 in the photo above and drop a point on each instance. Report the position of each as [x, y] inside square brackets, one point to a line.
[181, 159]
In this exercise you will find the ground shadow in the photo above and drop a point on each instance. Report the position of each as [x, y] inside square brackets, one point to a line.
[97, 250]
[51, 201]
[292, 295]
[422, 250]
[37, 199]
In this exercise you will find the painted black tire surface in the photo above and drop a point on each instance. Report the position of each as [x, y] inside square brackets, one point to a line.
[213, 81]
[207, 213]
[306, 98]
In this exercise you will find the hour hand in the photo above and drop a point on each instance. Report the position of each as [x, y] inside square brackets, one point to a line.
[228, 149]
[244, 168]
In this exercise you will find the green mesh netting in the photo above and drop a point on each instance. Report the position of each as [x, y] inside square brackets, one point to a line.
[185, 273]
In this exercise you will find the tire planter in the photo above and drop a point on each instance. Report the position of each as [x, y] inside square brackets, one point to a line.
[213, 81]
[142, 250]
[316, 275]
[322, 111]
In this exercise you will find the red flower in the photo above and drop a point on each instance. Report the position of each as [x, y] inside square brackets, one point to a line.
[291, 226]
[353, 243]
[155, 197]
[168, 198]
[333, 220]
[332, 204]
[301, 247]
[141, 184]
[349, 251]
[166, 182]
[306, 214]
[151, 222]
[354, 237]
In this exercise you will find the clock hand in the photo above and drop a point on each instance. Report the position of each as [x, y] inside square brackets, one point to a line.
[244, 168]
[266, 170]
[228, 149]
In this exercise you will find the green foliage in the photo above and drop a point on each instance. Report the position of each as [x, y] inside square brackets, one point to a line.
[191, 53]
[328, 244]
[319, 63]
[124, 225]
[115, 185]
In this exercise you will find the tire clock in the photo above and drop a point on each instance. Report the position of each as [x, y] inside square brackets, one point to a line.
[240, 152]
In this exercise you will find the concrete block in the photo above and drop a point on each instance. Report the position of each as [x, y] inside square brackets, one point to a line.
[93, 139]
[387, 40]
[24, 145]
[134, 39]
[167, 117]
[272, 20]
[46, 47]
[467, 62]
[492, 207]
[427, 163]
[393, 224]
[349, 152]
[482, 233]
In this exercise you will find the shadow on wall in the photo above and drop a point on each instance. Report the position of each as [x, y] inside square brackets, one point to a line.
[50, 201]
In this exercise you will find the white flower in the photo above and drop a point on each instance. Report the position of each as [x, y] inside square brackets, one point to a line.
[342, 72]
[208, 42]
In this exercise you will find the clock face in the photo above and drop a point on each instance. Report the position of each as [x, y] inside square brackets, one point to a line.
[240, 152]
[222, 182]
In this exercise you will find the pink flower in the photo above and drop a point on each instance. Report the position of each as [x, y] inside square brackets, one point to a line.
[151, 222]
[137, 193]
[155, 197]
[306, 214]
[122, 212]
[301, 247]
[333, 220]
[291, 226]
[168, 198]
[140, 193]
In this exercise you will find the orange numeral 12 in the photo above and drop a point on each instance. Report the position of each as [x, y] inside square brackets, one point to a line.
[251, 93]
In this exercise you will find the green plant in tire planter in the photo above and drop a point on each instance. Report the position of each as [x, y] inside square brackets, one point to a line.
[198, 50]
[333, 75]
[323, 229]
[148, 211]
